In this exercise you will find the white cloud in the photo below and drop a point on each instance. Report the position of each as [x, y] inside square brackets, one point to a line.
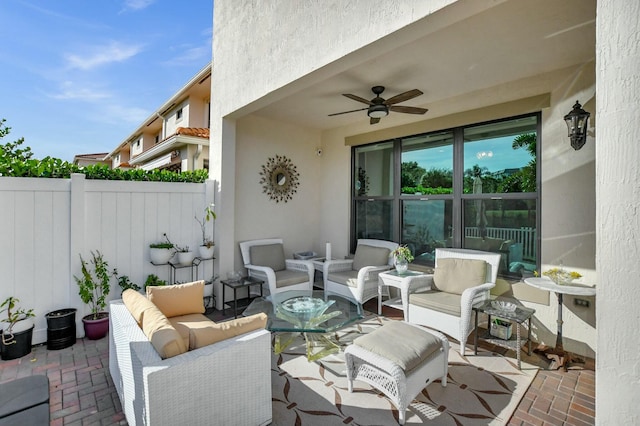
[70, 91]
[137, 4]
[101, 55]
[127, 114]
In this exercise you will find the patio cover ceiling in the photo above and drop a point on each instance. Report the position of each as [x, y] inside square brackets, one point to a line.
[513, 40]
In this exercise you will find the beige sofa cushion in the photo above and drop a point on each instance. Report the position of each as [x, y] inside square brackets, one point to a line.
[370, 256]
[178, 299]
[136, 303]
[202, 334]
[184, 323]
[403, 344]
[348, 278]
[164, 338]
[454, 275]
[269, 255]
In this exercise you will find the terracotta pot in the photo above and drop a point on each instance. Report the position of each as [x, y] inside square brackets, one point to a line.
[95, 329]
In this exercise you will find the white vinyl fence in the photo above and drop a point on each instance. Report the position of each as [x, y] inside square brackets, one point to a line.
[47, 223]
[525, 236]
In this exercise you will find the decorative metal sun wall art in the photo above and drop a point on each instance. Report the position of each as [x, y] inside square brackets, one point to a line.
[279, 178]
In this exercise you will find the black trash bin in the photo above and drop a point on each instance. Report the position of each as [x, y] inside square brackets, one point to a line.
[61, 328]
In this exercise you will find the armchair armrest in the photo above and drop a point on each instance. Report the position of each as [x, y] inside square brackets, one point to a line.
[471, 296]
[412, 285]
[261, 272]
[302, 266]
[337, 266]
[371, 272]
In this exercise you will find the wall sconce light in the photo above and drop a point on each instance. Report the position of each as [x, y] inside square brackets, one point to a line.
[577, 121]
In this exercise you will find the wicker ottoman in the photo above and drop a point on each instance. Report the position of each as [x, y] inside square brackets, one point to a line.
[399, 359]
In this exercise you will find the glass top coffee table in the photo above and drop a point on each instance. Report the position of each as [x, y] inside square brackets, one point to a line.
[291, 313]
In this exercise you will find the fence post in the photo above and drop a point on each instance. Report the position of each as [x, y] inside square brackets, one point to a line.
[77, 222]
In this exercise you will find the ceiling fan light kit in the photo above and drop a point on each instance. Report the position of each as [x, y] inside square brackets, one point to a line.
[378, 111]
[379, 107]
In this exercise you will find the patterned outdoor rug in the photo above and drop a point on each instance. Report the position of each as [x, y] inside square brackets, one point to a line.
[483, 389]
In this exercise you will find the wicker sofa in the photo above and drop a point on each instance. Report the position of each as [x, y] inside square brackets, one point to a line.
[226, 382]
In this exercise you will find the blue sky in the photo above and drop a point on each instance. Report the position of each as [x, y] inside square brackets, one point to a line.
[78, 76]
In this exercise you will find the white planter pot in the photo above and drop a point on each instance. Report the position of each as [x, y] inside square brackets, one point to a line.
[160, 256]
[185, 257]
[205, 252]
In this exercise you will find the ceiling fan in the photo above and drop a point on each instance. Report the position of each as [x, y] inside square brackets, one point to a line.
[379, 107]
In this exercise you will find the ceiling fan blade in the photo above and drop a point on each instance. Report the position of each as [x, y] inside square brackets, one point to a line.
[408, 109]
[374, 120]
[357, 98]
[347, 112]
[403, 97]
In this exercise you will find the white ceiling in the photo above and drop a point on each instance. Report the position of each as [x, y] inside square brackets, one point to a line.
[514, 40]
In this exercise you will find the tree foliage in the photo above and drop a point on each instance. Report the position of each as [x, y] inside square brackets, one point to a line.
[18, 161]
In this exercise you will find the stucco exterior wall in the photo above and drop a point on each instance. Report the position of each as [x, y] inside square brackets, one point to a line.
[256, 215]
[265, 66]
[617, 218]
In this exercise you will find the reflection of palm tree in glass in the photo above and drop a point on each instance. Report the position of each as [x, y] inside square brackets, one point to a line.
[481, 215]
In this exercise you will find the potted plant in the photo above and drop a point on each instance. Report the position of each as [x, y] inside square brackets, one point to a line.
[94, 288]
[18, 333]
[61, 328]
[402, 256]
[125, 283]
[206, 249]
[153, 280]
[185, 255]
[160, 253]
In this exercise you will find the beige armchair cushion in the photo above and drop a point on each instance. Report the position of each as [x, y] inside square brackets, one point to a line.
[178, 299]
[453, 275]
[370, 256]
[270, 255]
[289, 277]
[206, 334]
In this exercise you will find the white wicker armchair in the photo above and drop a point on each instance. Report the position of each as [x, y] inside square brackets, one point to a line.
[357, 278]
[450, 311]
[264, 259]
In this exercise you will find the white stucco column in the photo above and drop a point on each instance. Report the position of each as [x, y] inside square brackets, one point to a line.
[222, 169]
[618, 212]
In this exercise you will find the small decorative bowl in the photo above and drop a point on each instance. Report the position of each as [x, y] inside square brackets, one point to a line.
[503, 306]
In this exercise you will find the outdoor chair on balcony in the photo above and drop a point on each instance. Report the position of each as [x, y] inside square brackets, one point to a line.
[444, 302]
[264, 260]
[357, 278]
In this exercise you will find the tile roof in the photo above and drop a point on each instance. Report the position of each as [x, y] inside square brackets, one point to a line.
[98, 156]
[200, 132]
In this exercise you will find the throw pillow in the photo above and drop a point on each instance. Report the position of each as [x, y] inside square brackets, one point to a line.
[208, 334]
[136, 303]
[370, 256]
[270, 255]
[454, 275]
[165, 339]
[178, 299]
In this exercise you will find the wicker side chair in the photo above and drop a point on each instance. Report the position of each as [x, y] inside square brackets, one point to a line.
[450, 310]
[357, 278]
[265, 260]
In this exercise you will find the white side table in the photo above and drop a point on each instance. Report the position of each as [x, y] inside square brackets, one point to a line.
[543, 283]
[394, 279]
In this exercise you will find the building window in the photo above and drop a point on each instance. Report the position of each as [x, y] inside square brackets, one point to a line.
[472, 187]
[179, 114]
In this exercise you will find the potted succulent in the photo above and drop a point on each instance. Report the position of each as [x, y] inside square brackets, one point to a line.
[206, 249]
[94, 288]
[153, 280]
[402, 256]
[160, 253]
[18, 331]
